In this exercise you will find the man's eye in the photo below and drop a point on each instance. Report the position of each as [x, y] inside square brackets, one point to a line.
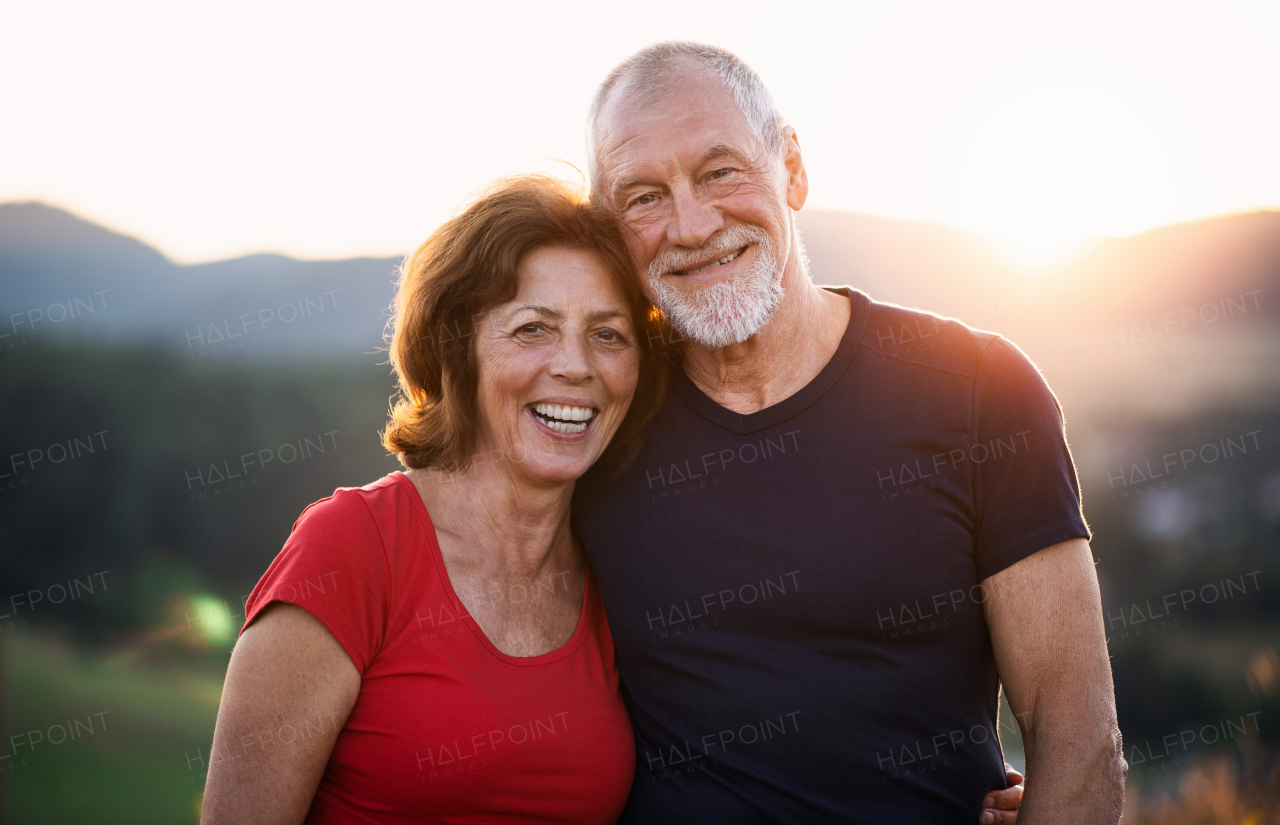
[528, 329]
[719, 173]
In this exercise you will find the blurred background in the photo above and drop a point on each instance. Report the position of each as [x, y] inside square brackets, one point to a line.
[201, 213]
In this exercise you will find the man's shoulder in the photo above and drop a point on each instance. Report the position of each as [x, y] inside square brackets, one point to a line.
[915, 338]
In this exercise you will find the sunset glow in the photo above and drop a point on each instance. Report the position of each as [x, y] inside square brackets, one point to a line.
[322, 132]
[1062, 164]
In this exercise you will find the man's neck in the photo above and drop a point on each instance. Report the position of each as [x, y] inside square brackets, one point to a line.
[784, 356]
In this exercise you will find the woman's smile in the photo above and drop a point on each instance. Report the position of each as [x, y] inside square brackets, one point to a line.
[563, 419]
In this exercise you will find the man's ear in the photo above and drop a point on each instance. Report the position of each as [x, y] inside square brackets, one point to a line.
[797, 177]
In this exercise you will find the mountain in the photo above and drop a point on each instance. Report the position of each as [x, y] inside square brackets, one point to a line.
[1171, 322]
[64, 276]
[1180, 316]
[1107, 281]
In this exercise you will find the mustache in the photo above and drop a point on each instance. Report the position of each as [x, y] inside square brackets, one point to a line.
[717, 246]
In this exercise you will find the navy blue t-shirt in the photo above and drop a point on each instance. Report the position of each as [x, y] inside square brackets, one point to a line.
[795, 594]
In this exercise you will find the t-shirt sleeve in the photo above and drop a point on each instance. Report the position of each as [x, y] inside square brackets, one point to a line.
[334, 566]
[1026, 492]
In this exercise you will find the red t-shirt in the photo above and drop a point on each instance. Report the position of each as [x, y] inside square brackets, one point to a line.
[446, 728]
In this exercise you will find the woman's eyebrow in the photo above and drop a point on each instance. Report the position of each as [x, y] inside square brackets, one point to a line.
[546, 312]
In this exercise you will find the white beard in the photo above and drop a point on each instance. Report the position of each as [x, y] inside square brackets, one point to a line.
[731, 311]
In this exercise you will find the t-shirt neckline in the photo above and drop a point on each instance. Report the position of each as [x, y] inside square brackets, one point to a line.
[433, 549]
[797, 402]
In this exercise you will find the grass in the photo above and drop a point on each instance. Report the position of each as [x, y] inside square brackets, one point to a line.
[149, 709]
[144, 761]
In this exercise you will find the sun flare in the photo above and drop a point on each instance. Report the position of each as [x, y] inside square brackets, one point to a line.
[1059, 165]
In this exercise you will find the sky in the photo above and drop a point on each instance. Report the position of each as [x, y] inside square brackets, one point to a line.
[325, 130]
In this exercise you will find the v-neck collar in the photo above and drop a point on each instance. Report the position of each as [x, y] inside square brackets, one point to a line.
[797, 402]
[585, 618]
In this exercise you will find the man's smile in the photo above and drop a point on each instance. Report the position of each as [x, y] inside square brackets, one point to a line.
[718, 262]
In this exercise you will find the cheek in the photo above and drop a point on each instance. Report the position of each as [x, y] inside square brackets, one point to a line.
[643, 241]
[505, 372]
[759, 200]
[620, 373]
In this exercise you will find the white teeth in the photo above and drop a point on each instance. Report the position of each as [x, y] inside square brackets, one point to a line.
[566, 427]
[564, 412]
[726, 259]
[564, 418]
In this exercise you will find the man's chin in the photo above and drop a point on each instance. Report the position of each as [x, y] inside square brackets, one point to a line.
[719, 312]
[718, 331]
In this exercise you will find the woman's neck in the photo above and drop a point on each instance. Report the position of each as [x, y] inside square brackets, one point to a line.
[501, 525]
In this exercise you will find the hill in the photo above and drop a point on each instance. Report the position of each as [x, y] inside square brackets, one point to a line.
[63, 276]
[1167, 321]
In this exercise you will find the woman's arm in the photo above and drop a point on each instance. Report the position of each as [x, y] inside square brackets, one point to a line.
[290, 687]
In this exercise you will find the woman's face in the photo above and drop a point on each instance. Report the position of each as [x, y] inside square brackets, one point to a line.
[558, 366]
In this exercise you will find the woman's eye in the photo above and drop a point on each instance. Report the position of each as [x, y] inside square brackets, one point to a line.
[645, 200]
[529, 329]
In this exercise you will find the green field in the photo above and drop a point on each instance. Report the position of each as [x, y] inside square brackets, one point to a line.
[146, 711]
[149, 708]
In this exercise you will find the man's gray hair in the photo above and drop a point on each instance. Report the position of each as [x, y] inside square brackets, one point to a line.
[647, 75]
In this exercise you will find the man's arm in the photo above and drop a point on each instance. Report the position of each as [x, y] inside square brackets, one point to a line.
[1045, 617]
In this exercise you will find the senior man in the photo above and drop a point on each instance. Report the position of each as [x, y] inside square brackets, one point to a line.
[851, 522]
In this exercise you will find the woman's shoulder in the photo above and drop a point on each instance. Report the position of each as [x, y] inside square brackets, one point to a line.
[353, 534]
[340, 564]
[382, 524]
[357, 506]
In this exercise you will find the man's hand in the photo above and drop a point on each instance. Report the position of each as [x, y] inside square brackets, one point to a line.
[1001, 807]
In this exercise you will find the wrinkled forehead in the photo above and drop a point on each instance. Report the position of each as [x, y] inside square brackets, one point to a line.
[642, 132]
[570, 281]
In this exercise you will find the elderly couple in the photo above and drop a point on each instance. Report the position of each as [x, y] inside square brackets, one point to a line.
[681, 536]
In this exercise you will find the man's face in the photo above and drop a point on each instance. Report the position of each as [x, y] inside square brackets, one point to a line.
[708, 206]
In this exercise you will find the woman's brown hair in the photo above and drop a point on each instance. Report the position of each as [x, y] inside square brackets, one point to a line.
[467, 267]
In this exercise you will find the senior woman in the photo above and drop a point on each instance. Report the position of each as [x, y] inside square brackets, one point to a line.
[432, 647]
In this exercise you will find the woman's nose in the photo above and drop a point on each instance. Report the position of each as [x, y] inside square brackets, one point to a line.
[571, 361]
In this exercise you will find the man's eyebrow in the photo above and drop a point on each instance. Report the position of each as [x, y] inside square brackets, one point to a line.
[623, 184]
[720, 151]
[717, 151]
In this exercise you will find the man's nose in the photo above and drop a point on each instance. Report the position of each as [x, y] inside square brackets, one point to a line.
[693, 220]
